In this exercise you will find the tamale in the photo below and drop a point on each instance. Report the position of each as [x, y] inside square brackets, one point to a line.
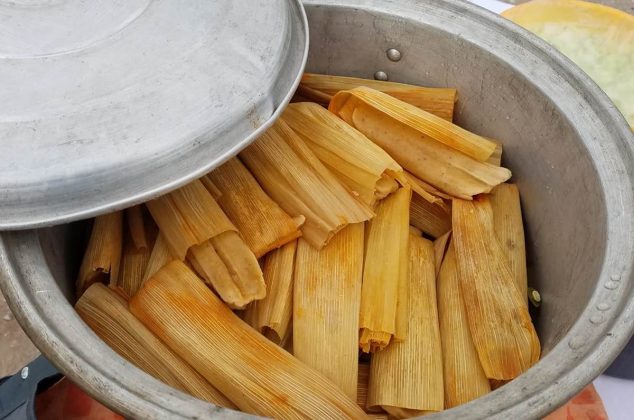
[260, 377]
[262, 223]
[136, 227]
[159, 257]
[406, 378]
[507, 223]
[464, 377]
[133, 265]
[419, 188]
[496, 157]
[440, 248]
[362, 391]
[188, 216]
[272, 315]
[345, 103]
[430, 218]
[498, 317]
[415, 231]
[385, 272]
[359, 163]
[211, 187]
[431, 160]
[103, 254]
[310, 94]
[326, 301]
[107, 315]
[438, 101]
[293, 176]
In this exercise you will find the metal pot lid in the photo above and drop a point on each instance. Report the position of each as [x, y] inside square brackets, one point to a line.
[105, 104]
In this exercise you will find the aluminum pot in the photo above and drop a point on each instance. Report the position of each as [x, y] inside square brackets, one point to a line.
[570, 152]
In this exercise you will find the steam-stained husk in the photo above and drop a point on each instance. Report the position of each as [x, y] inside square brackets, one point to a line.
[293, 176]
[263, 225]
[108, 316]
[406, 378]
[133, 265]
[327, 297]
[136, 227]
[260, 377]
[438, 101]
[159, 257]
[500, 325]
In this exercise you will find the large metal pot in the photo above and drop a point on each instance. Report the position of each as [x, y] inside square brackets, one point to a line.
[571, 154]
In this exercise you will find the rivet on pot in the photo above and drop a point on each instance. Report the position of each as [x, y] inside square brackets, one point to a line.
[380, 75]
[393, 54]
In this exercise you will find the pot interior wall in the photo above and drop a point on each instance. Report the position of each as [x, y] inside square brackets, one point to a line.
[561, 198]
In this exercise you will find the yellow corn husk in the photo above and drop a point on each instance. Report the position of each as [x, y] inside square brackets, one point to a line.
[103, 254]
[211, 187]
[440, 248]
[261, 222]
[260, 377]
[312, 95]
[108, 316]
[362, 392]
[136, 227]
[188, 216]
[415, 231]
[427, 158]
[272, 315]
[500, 325]
[133, 265]
[496, 157]
[383, 314]
[426, 124]
[326, 301]
[408, 375]
[417, 187]
[295, 178]
[507, 223]
[465, 379]
[438, 101]
[430, 218]
[359, 163]
[159, 257]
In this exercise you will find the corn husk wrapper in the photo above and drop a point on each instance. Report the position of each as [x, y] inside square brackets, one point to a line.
[359, 163]
[419, 187]
[415, 231]
[440, 248]
[425, 123]
[500, 325]
[430, 218]
[362, 393]
[159, 257]
[464, 378]
[260, 377]
[383, 309]
[102, 257]
[136, 227]
[261, 222]
[293, 176]
[211, 187]
[326, 301]
[188, 216]
[133, 265]
[438, 101]
[509, 230]
[108, 316]
[429, 159]
[272, 315]
[496, 157]
[408, 375]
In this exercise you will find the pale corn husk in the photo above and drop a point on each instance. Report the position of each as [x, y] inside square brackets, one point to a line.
[136, 227]
[272, 315]
[188, 216]
[326, 301]
[362, 392]
[430, 160]
[496, 157]
[500, 325]
[133, 265]
[260, 377]
[103, 254]
[408, 375]
[507, 223]
[263, 225]
[440, 249]
[294, 177]
[426, 124]
[419, 187]
[385, 273]
[430, 218]
[159, 257]
[464, 377]
[438, 101]
[359, 163]
[108, 316]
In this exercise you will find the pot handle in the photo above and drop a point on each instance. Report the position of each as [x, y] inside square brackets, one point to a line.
[18, 392]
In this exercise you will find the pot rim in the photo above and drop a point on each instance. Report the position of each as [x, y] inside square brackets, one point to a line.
[581, 355]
